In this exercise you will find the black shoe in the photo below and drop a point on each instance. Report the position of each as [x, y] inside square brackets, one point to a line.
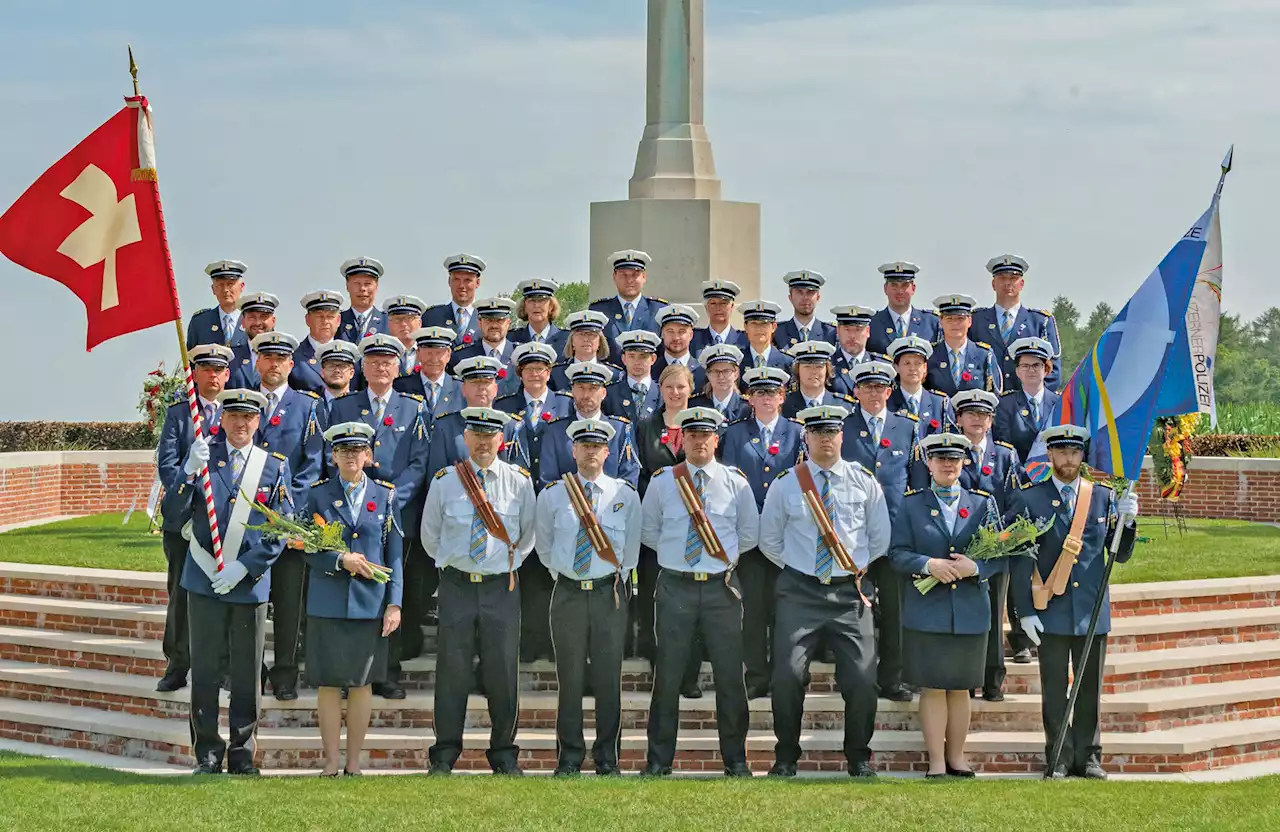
[284, 694]
[207, 768]
[607, 770]
[1059, 773]
[896, 693]
[993, 694]
[528, 655]
[225, 684]
[759, 691]
[738, 770]
[245, 771]
[692, 692]
[940, 775]
[172, 680]
[783, 770]
[566, 771]
[863, 771]
[389, 690]
[655, 770]
[960, 772]
[1092, 771]
[509, 770]
[1022, 656]
[440, 770]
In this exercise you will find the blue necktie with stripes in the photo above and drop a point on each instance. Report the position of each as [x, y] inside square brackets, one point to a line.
[826, 559]
[693, 542]
[479, 534]
[582, 550]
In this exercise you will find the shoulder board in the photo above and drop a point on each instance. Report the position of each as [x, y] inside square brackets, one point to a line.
[937, 393]
[552, 484]
[1004, 444]
[446, 415]
[520, 328]
[1008, 393]
[911, 492]
[738, 421]
[564, 393]
[659, 472]
[983, 344]
[1044, 312]
[605, 299]
[458, 347]
[280, 456]
[560, 419]
[913, 417]
[737, 471]
[794, 419]
[782, 474]
[527, 475]
[930, 311]
[846, 397]
[202, 311]
[628, 484]
[384, 483]
[319, 482]
[313, 394]
[866, 470]
[442, 472]
[416, 397]
[1027, 485]
[662, 301]
[980, 491]
[1098, 484]
[623, 419]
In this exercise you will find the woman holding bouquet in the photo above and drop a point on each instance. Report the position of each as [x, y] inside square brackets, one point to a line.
[944, 637]
[353, 601]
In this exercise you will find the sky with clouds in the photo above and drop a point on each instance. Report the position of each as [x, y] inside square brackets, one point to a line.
[1085, 136]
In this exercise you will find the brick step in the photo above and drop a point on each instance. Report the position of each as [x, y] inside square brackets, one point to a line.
[117, 585]
[1132, 712]
[1193, 748]
[1173, 667]
[1189, 629]
[1195, 596]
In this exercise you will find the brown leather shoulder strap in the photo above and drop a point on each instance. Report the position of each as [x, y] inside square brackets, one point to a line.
[697, 512]
[1041, 590]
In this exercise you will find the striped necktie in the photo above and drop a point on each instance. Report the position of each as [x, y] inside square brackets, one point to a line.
[638, 394]
[228, 329]
[875, 428]
[693, 542]
[955, 367]
[826, 559]
[900, 328]
[947, 495]
[1069, 498]
[432, 392]
[759, 361]
[628, 312]
[766, 436]
[464, 320]
[804, 333]
[1006, 324]
[582, 550]
[379, 407]
[271, 405]
[352, 489]
[479, 534]
[912, 407]
[237, 466]
[1035, 411]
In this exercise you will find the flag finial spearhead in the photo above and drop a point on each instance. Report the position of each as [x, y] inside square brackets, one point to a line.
[133, 70]
[1226, 160]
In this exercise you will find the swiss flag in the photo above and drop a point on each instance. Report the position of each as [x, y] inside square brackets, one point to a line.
[92, 222]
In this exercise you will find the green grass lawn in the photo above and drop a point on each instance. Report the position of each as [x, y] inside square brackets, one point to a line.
[1207, 549]
[47, 795]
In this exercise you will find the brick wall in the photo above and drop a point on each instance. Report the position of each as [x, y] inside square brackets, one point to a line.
[56, 483]
[1220, 487]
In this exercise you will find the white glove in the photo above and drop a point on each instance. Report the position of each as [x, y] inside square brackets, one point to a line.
[1128, 505]
[1032, 627]
[232, 574]
[198, 456]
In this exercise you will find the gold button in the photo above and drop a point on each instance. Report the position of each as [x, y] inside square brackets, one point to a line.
[1075, 584]
[355, 534]
[766, 469]
[377, 443]
[375, 465]
[1077, 560]
[953, 548]
[953, 586]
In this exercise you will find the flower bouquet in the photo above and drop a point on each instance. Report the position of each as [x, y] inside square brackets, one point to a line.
[316, 535]
[993, 541]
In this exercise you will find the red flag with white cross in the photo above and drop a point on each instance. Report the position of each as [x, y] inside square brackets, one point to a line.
[93, 223]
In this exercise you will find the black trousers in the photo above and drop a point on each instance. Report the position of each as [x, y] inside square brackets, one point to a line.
[235, 634]
[1084, 736]
[993, 675]
[588, 632]
[288, 611]
[406, 641]
[177, 642]
[888, 616]
[685, 607]
[535, 604]
[477, 619]
[808, 611]
[1017, 639]
[642, 604]
[758, 575]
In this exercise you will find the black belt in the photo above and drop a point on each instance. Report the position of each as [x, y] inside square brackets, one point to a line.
[474, 577]
[834, 580]
[700, 577]
[588, 584]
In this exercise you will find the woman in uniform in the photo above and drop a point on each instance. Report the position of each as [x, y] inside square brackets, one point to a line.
[812, 372]
[586, 342]
[721, 362]
[944, 638]
[538, 308]
[349, 613]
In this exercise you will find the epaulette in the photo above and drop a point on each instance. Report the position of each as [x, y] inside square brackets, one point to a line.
[782, 474]
[913, 417]
[319, 482]
[911, 492]
[280, 456]
[1007, 393]
[1002, 443]
[846, 397]
[442, 472]
[662, 301]
[939, 393]
[313, 394]
[658, 472]
[450, 413]
[552, 484]
[623, 419]
[980, 491]
[202, 311]
[457, 347]
[628, 484]
[417, 397]
[564, 393]
[931, 311]
[603, 300]
[983, 344]
[794, 419]
[385, 484]
[738, 421]
[1105, 485]
[1027, 485]
[866, 470]
[737, 471]
[1044, 312]
[559, 419]
[527, 475]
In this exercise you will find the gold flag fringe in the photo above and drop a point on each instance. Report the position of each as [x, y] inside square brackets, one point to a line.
[143, 175]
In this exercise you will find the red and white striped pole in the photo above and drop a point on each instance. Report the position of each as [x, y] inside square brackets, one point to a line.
[146, 172]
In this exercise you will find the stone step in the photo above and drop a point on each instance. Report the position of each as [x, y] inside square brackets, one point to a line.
[118, 585]
[1188, 629]
[1132, 712]
[1191, 748]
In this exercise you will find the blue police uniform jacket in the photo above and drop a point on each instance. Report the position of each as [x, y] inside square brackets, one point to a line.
[1068, 614]
[294, 430]
[776, 358]
[448, 396]
[176, 436]
[620, 400]
[934, 415]
[348, 331]
[795, 402]
[305, 374]
[623, 463]
[449, 447]
[556, 338]
[920, 533]
[257, 551]
[1013, 422]
[737, 407]
[442, 315]
[703, 338]
[891, 463]
[787, 334]
[741, 447]
[842, 378]
[882, 332]
[400, 449]
[333, 592]
[998, 472]
[242, 374]
[644, 317]
[699, 372]
[480, 348]
[979, 363]
[559, 380]
[1028, 323]
[206, 328]
[527, 450]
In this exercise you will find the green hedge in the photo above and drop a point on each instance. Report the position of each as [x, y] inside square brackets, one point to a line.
[75, 436]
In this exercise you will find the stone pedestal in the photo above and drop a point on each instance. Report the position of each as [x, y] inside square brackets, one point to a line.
[690, 240]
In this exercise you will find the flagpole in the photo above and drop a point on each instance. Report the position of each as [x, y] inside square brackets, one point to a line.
[193, 402]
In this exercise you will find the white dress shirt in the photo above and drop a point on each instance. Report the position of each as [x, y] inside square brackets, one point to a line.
[617, 509]
[729, 504]
[446, 519]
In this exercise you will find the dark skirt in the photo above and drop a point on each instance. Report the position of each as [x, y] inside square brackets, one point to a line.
[943, 661]
[345, 652]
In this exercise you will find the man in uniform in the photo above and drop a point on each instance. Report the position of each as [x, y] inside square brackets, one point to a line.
[698, 594]
[209, 371]
[220, 324]
[289, 426]
[458, 314]
[719, 297]
[900, 319]
[1008, 320]
[400, 449]
[853, 327]
[404, 318]
[588, 379]
[479, 593]
[817, 598]
[494, 315]
[441, 392]
[227, 607]
[630, 308]
[362, 318]
[804, 290]
[636, 395]
[1026, 407]
[760, 322]
[884, 443]
[338, 360]
[762, 445]
[324, 313]
[257, 315]
[910, 357]
[675, 323]
[589, 601]
[1056, 616]
[958, 363]
[479, 379]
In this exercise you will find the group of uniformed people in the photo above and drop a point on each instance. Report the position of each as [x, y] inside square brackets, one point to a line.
[759, 497]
